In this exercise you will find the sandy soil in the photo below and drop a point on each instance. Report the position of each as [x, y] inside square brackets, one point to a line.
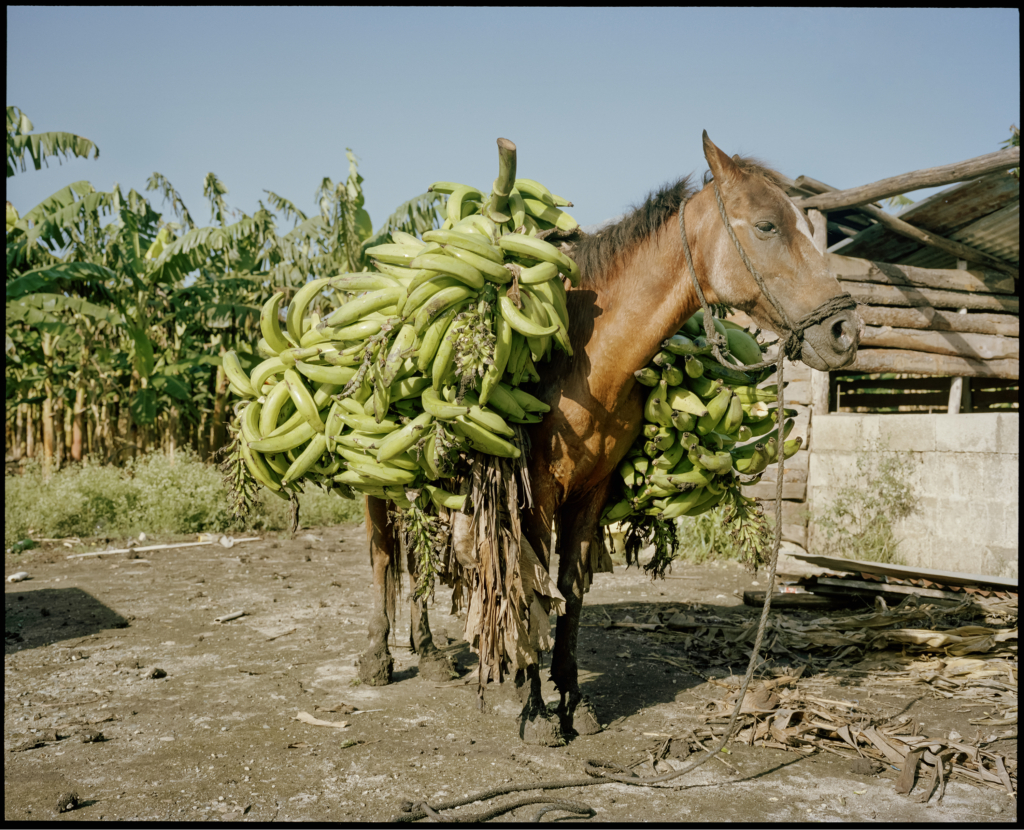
[214, 737]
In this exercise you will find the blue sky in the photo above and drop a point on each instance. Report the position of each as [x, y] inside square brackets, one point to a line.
[604, 104]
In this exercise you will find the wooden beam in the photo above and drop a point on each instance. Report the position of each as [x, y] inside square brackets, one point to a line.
[907, 295]
[925, 317]
[921, 363]
[976, 346]
[895, 185]
[953, 279]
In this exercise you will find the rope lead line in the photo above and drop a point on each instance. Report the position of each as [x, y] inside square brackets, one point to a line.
[791, 348]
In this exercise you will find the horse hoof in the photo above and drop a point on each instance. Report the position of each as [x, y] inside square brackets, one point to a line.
[436, 667]
[584, 719]
[541, 730]
[375, 668]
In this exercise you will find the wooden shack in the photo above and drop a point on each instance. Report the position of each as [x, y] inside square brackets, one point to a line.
[937, 288]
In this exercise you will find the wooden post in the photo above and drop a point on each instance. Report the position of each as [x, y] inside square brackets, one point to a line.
[958, 384]
[819, 380]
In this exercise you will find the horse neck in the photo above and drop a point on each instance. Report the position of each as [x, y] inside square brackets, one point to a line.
[645, 301]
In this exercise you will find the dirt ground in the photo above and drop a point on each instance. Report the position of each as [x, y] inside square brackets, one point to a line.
[214, 737]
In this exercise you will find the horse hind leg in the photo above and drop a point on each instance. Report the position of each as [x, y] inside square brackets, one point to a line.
[376, 664]
[434, 665]
[577, 544]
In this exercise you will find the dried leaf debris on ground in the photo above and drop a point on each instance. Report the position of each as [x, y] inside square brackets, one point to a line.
[945, 651]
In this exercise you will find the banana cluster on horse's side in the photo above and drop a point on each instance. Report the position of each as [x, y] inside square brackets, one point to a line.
[419, 359]
[697, 415]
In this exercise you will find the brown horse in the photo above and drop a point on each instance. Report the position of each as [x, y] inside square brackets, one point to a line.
[636, 291]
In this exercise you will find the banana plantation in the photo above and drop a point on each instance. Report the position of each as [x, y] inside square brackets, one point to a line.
[119, 314]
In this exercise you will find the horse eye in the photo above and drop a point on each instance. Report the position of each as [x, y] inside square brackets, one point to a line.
[765, 227]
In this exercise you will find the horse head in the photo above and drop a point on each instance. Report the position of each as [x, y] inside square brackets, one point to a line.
[799, 294]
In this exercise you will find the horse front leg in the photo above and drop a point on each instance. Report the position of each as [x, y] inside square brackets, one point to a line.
[376, 664]
[536, 725]
[433, 664]
[576, 545]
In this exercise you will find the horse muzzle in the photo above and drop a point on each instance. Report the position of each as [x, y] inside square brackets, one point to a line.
[832, 343]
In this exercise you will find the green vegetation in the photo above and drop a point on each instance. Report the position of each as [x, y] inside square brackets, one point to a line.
[149, 494]
[860, 522]
[118, 316]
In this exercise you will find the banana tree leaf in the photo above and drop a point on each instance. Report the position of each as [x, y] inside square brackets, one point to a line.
[144, 360]
[52, 276]
[143, 406]
[173, 386]
[45, 145]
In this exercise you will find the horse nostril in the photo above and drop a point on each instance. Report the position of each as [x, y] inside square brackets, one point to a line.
[840, 334]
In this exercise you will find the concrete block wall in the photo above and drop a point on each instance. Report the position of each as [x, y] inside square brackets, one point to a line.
[965, 476]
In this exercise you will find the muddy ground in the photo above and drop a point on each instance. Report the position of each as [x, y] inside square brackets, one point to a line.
[215, 737]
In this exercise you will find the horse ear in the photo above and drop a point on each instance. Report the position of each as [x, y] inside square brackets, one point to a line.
[723, 168]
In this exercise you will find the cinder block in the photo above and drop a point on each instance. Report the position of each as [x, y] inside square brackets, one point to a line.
[837, 433]
[1008, 433]
[794, 533]
[975, 432]
[903, 432]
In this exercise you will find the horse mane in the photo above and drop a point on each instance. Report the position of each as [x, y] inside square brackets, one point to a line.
[597, 253]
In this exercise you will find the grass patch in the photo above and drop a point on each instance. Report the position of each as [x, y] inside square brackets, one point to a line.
[706, 538]
[149, 494]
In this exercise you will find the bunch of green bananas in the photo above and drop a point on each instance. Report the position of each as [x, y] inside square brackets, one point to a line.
[418, 360]
[704, 424]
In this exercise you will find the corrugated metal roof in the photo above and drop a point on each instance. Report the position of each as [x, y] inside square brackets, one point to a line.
[983, 213]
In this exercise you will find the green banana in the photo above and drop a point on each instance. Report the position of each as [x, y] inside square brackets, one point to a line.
[647, 376]
[680, 344]
[536, 274]
[452, 266]
[462, 193]
[237, 376]
[519, 321]
[303, 399]
[482, 439]
[743, 346]
[534, 190]
[258, 467]
[616, 512]
[717, 407]
[440, 302]
[285, 441]
[306, 459]
[550, 214]
[471, 242]
[502, 350]
[270, 324]
[657, 409]
[683, 421]
[298, 305]
[404, 342]
[733, 417]
[432, 338]
[400, 440]
[716, 370]
[527, 401]
[541, 250]
[366, 281]
[326, 374]
[492, 272]
[704, 387]
[357, 308]
[444, 359]
[440, 408]
[443, 498]
[683, 400]
[672, 375]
